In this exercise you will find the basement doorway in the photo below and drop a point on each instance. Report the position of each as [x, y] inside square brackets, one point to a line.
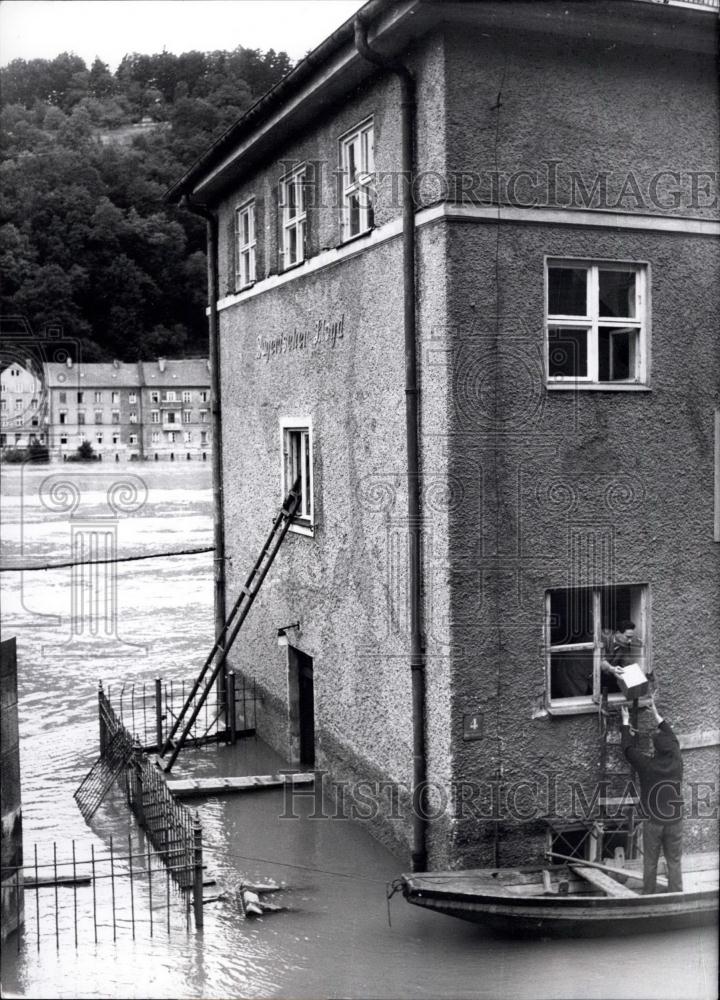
[302, 706]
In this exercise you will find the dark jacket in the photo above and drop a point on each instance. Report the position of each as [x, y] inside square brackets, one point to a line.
[660, 776]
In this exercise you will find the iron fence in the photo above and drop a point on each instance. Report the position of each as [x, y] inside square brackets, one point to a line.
[84, 896]
[149, 711]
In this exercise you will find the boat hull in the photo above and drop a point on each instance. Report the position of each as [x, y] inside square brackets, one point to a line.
[525, 918]
[510, 911]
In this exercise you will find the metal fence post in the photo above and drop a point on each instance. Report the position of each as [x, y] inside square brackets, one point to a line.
[137, 804]
[197, 872]
[101, 720]
[230, 701]
[158, 714]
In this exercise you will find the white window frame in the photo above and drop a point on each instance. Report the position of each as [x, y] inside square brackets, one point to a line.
[155, 437]
[361, 140]
[245, 243]
[186, 396]
[154, 416]
[98, 397]
[132, 397]
[204, 395]
[155, 396]
[293, 221]
[298, 429]
[592, 321]
[187, 416]
[588, 703]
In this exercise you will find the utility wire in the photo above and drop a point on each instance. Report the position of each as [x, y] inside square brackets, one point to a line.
[103, 562]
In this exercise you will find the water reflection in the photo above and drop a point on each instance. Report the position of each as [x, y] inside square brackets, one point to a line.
[334, 938]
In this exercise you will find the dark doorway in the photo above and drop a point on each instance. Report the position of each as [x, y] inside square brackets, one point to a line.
[303, 665]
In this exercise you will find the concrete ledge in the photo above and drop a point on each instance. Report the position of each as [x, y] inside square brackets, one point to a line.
[185, 788]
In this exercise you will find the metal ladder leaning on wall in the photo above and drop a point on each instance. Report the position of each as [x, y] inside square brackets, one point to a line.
[224, 642]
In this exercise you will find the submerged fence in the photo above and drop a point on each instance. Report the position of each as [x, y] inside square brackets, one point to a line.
[174, 832]
[149, 711]
[80, 896]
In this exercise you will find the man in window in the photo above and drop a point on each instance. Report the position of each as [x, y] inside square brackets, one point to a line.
[660, 799]
[620, 649]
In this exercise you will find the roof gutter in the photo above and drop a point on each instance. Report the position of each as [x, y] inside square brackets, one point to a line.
[216, 410]
[417, 645]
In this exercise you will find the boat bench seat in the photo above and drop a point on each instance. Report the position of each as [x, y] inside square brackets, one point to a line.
[602, 881]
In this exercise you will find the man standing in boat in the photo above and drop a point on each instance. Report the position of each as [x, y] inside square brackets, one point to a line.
[660, 800]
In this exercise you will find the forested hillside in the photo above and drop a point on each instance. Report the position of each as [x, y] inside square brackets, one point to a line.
[85, 240]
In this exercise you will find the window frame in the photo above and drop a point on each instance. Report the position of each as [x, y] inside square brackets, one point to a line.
[298, 223]
[592, 322]
[359, 186]
[304, 522]
[577, 704]
[245, 252]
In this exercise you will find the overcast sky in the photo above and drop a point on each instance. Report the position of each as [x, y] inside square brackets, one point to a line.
[31, 29]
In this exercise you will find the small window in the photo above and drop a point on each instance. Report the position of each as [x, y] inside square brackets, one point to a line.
[154, 397]
[154, 416]
[3, 405]
[596, 323]
[186, 396]
[98, 416]
[63, 416]
[116, 416]
[187, 416]
[133, 417]
[81, 416]
[81, 397]
[203, 416]
[132, 397]
[133, 439]
[169, 396]
[171, 437]
[587, 630]
[62, 397]
[297, 463]
[357, 163]
[18, 404]
[115, 397]
[18, 421]
[155, 437]
[99, 438]
[245, 237]
[98, 397]
[63, 439]
[292, 202]
[203, 437]
[170, 417]
[188, 437]
[204, 395]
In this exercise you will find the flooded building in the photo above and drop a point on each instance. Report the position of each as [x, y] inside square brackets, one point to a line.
[468, 288]
[129, 410]
[23, 409]
[176, 409]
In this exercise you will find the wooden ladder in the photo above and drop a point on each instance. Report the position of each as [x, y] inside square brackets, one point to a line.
[223, 644]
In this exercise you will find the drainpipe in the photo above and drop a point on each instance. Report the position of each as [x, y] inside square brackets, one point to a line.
[216, 422]
[417, 645]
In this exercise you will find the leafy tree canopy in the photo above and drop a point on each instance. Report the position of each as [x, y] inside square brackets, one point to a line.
[85, 240]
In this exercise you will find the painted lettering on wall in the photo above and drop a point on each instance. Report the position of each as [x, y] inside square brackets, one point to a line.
[323, 334]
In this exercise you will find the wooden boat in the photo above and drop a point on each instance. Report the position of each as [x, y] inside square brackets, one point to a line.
[575, 898]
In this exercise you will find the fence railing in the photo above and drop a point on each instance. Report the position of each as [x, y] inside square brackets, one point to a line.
[86, 896]
[148, 711]
[174, 832]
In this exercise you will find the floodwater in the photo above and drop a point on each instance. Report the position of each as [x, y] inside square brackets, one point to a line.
[333, 940]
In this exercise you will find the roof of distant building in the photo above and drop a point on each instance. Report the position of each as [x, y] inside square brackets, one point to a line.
[132, 375]
[168, 373]
[95, 375]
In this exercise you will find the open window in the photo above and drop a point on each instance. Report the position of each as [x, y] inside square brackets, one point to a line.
[596, 324]
[297, 462]
[580, 623]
